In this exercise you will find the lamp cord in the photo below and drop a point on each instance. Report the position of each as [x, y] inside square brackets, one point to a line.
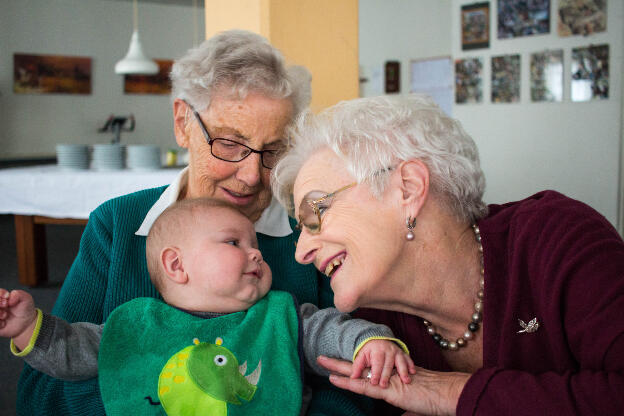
[195, 25]
[135, 15]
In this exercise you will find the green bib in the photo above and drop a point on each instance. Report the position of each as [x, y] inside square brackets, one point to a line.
[157, 360]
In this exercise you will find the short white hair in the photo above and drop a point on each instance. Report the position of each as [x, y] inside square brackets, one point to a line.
[235, 63]
[371, 135]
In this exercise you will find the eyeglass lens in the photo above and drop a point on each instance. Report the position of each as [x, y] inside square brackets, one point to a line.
[232, 151]
[229, 150]
[310, 212]
[314, 204]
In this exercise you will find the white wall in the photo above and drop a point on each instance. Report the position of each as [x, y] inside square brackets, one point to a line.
[31, 125]
[400, 30]
[525, 147]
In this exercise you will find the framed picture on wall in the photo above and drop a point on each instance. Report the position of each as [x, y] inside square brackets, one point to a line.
[51, 74]
[475, 26]
[392, 77]
[468, 80]
[590, 73]
[581, 17]
[506, 79]
[158, 84]
[547, 76]
[523, 18]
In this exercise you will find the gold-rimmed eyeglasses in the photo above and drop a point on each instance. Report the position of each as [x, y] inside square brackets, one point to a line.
[313, 206]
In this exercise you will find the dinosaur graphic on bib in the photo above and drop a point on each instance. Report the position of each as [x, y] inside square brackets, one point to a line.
[202, 378]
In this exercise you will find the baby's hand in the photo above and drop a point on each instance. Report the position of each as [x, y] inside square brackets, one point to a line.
[382, 356]
[17, 313]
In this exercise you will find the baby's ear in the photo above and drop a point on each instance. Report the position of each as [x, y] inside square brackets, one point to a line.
[171, 262]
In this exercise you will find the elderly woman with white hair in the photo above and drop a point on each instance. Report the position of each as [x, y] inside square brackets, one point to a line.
[507, 309]
[233, 98]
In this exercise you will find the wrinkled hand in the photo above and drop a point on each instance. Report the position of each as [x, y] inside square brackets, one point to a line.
[428, 393]
[382, 356]
[17, 314]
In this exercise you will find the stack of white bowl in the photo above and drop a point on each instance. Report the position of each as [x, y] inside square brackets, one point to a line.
[143, 157]
[107, 157]
[72, 156]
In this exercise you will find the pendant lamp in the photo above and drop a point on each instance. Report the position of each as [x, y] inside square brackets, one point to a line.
[135, 61]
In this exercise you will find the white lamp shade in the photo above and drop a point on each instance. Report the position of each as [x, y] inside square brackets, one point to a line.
[135, 61]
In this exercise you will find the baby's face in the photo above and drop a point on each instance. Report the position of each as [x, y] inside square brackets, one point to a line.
[225, 268]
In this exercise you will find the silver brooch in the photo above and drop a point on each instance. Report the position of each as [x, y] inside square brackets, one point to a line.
[532, 326]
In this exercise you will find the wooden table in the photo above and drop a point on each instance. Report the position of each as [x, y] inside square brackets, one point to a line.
[41, 195]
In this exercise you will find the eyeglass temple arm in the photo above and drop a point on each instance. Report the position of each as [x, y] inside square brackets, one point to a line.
[201, 125]
[323, 198]
[198, 117]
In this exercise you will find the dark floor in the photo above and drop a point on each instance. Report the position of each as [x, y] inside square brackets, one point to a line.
[62, 242]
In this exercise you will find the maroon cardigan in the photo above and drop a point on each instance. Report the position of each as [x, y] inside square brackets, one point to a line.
[555, 259]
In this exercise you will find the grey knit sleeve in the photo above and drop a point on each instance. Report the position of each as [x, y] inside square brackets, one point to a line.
[334, 334]
[66, 351]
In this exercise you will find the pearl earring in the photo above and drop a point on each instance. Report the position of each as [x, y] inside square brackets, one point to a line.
[410, 223]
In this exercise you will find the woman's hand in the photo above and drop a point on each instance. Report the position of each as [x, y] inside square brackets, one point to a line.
[429, 393]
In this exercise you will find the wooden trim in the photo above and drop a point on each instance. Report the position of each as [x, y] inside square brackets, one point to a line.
[38, 219]
[32, 258]
[32, 161]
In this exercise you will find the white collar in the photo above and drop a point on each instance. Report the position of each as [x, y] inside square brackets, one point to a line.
[273, 221]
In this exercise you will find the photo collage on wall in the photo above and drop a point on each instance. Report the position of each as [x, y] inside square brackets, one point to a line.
[590, 73]
[475, 21]
[506, 79]
[547, 76]
[588, 69]
[582, 17]
[523, 18]
[468, 88]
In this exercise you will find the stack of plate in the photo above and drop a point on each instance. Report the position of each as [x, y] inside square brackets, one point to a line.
[143, 157]
[108, 157]
[72, 156]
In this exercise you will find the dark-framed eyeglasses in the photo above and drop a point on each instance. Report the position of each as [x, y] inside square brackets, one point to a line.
[233, 151]
[314, 205]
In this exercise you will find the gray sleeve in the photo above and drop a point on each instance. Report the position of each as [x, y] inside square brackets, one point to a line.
[334, 334]
[66, 351]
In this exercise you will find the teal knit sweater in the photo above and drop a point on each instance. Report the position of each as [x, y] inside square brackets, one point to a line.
[110, 269]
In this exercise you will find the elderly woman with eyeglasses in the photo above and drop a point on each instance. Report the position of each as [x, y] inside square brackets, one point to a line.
[233, 98]
[508, 309]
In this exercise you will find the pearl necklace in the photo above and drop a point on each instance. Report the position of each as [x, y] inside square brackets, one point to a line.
[476, 317]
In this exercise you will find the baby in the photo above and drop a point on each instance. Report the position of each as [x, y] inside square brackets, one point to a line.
[183, 354]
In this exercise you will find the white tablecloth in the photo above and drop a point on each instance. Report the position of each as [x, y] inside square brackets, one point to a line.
[54, 192]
